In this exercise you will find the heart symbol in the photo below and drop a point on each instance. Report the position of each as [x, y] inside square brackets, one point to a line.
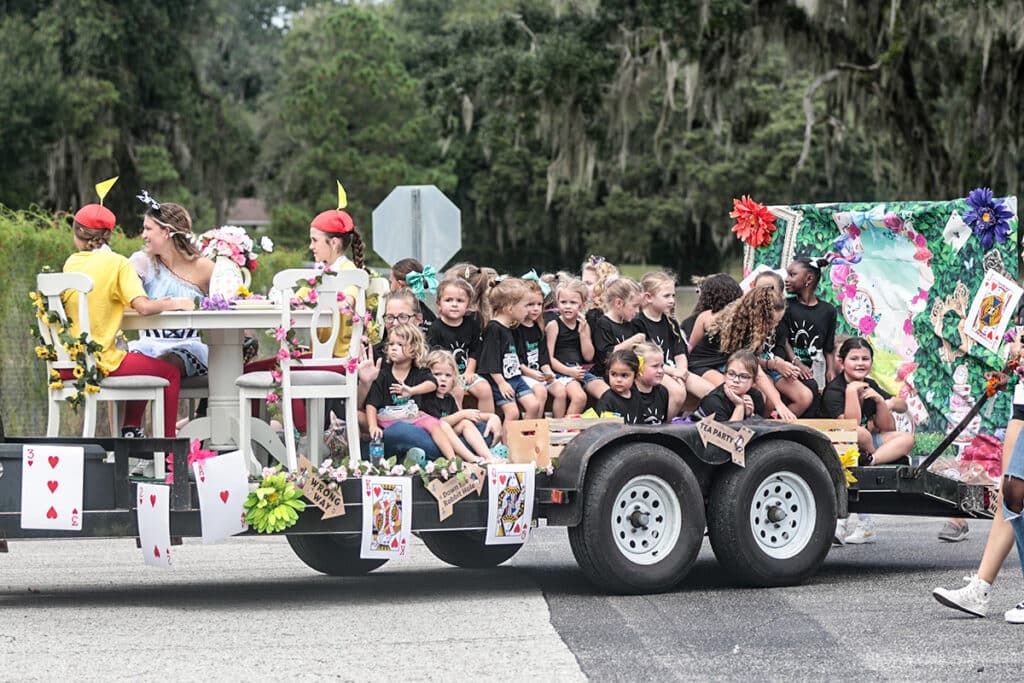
[394, 543]
[51, 513]
[202, 476]
[53, 460]
[376, 490]
[156, 551]
[152, 500]
[30, 461]
[502, 478]
[516, 530]
[52, 485]
[224, 495]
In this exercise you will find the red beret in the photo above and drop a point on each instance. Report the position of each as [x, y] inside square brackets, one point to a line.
[96, 217]
[334, 221]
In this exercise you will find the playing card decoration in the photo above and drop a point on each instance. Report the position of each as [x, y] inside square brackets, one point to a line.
[992, 310]
[51, 487]
[387, 517]
[957, 232]
[153, 512]
[223, 486]
[509, 503]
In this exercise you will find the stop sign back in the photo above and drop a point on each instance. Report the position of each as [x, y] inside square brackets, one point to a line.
[417, 221]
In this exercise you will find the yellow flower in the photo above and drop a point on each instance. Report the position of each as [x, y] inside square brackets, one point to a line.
[41, 315]
[56, 386]
[78, 371]
[847, 460]
[42, 352]
[54, 374]
[243, 292]
[92, 388]
[34, 296]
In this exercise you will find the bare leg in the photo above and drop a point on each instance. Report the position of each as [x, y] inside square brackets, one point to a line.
[796, 394]
[484, 398]
[530, 404]
[458, 447]
[558, 398]
[676, 395]
[577, 399]
[894, 446]
[596, 388]
[1000, 536]
[468, 431]
[443, 443]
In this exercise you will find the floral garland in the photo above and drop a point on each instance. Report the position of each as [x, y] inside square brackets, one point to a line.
[234, 243]
[428, 470]
[87, 377]
[754, 222]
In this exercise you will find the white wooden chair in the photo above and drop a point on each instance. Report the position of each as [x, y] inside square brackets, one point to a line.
[313, 386]
[113, 389]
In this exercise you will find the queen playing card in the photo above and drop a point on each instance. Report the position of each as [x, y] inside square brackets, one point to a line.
[509, 503]
[387, 517]
[992, 310]
[51, 487]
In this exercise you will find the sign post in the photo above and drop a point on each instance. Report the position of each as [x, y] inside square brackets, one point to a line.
[417, 221]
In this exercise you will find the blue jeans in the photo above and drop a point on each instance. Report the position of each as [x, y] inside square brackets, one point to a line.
[401, 436]
[1015, 469]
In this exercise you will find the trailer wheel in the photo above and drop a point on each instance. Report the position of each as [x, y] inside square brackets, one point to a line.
[771, 523]
[332, 554]
[467, 549]
[643, 520]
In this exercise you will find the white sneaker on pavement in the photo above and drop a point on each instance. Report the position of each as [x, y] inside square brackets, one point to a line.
[864, 532]
[1015, 615]
[972, 598]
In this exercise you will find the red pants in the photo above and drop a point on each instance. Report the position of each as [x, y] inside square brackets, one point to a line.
[298, 405]
[137, 364]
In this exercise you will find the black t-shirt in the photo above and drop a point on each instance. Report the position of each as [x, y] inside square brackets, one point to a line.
[592, 315]
[716, 403]
[628, 408]
[706, 355]
[550, 315]
[653, 405]
[463, 341]
[380, 394]
[531, 346]
[567, 344]
[428, 318]
[607, 334]
[498, 355]
[833, 399]
[663, 333]
[810, 329]
[432, 404]
[686, 326]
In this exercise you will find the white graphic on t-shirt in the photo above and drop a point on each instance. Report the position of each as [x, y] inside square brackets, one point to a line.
[510, 365]
[533, 355]
[805, 340]
[651, 416]
[459, 350]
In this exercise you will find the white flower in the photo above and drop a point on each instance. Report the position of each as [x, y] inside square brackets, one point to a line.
[266, 244]
[429, 469]
[549, 470]
[398, 470]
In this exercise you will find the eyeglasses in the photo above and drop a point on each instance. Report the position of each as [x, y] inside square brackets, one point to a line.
[401, 317]
[741, 376]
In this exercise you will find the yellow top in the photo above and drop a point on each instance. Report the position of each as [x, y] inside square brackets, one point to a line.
[345, 326]
[115, 285]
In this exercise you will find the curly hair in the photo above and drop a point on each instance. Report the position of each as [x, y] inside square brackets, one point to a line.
[415, 344]
[716, 292]
[175, 219]
[606, 273]
[747, 323]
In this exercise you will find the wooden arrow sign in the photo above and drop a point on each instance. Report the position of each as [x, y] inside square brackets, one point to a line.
[732, 441]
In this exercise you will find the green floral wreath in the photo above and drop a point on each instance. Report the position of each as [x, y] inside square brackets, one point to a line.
[87, 377]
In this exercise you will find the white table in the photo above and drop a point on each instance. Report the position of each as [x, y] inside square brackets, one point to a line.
[224, 333]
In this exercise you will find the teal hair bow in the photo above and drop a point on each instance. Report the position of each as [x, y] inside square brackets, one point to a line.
[421, 283]
[545, 288]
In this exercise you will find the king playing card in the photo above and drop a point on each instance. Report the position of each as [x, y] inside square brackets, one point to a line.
[387, 517]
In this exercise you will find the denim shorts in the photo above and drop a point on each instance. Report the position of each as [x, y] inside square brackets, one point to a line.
[588, 376]
[876, 440]
[518, 385]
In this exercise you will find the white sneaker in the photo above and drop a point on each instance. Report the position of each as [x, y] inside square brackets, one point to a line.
[864, 532]
[972, 598]
[841, 532]
[1016, 614]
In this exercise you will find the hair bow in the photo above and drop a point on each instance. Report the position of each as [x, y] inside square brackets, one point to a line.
[421, 283]
[596, 260]
[639, 364]
[545, 289]
[148, 201]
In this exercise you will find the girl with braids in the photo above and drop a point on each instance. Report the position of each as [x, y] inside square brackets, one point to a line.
[115, 287]
[171, 265]
[716, 292]
[745, 324]
[331, 234]
[809, 324]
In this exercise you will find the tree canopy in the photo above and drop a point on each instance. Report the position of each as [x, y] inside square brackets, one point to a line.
[560, 127]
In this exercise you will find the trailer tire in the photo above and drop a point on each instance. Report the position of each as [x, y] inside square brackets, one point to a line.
[332, 554]
[643, 520]
[466, 549]
[771, 523]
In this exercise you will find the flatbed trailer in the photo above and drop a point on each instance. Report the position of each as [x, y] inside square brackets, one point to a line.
[636, 500]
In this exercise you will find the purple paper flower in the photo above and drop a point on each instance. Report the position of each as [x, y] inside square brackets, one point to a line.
[217, 302]
[988, 217]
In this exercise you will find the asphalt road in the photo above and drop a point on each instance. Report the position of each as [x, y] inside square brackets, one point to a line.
[89, 610]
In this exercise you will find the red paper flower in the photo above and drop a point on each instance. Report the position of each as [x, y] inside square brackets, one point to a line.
[754, 223]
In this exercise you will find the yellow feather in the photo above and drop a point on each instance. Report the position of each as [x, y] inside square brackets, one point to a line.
[342, 197]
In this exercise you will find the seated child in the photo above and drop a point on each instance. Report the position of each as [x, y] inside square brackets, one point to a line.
[533, 353]
[499, 358]
[401, 379]
[464, 422]
[656, 405]
[457, 330]
[622, 398]
[570, 347]
[735, 399]
[398, 279]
